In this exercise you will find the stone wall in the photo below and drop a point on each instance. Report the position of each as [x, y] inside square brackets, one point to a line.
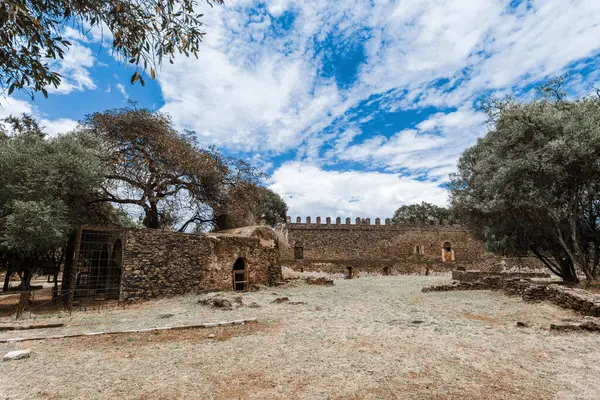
[159, 263]
[520, 284]
[332, 246]
[471, 276]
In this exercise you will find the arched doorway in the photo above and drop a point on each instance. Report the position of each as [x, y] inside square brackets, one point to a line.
[240, 275]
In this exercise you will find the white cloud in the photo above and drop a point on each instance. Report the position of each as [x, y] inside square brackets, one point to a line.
[258, 88]
[58, 126]
[15, 108]
[312, 191]
[122, 90]
[432, 148]
[9, 106]
[252, 89]
[74, 69]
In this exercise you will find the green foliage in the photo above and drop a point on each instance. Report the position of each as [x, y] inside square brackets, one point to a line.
[273, 207]
[532, 184]
[424, 213]
[143, 31]
[46, 184]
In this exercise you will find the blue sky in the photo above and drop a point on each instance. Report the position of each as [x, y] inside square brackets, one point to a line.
[353, 107]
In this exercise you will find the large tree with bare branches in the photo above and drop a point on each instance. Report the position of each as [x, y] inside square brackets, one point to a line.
[164, 172]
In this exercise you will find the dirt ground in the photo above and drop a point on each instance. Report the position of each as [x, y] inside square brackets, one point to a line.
[367, 338]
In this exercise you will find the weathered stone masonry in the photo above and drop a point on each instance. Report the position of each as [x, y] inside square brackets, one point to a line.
[155, 263]
[334, 246]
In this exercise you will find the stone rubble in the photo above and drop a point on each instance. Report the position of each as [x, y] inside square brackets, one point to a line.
[17, 355]
[580, 300]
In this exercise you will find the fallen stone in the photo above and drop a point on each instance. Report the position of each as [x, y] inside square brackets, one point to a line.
[217, 302]
[564, 327]
[280, 300]
[163, 316]
[417, 322]
[590, 326]
[16, 355]
[211, 336]
[254, 305]
[296, 303]
[522, 324]
[238, 300]
[25, 327]
[319, 281]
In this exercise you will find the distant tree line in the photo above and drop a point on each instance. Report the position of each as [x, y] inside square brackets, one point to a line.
[117, 164]
[422, 214]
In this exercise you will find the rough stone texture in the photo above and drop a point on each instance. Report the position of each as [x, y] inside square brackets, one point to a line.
[160, 263]
[386, 249]
[580, 300]
[319, 281]
[16, 355]
[470, 276]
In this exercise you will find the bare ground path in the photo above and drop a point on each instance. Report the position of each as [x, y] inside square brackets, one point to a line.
[367, 338]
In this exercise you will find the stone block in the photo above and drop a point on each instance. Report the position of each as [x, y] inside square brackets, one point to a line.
[17, 355]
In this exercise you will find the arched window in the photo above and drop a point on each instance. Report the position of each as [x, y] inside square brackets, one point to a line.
[240, 275]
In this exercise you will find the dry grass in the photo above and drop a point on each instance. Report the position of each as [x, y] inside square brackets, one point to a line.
[366, 338]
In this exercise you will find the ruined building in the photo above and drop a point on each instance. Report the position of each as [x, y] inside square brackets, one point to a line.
[128, 264]
[335, 246]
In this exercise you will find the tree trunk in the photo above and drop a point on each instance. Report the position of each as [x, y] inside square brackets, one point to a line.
[6, 280]
[55, 288]
[25, 296]
[568, 271]
[152, 220]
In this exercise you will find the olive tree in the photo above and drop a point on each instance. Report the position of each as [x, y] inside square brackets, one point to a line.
[142, 32]
[423, 213]
[532, 184]
[46, 185]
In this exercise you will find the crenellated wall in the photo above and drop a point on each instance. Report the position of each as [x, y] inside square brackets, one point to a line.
[376, 247]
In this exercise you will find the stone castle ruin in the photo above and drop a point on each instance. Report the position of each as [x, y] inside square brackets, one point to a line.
[116, 264]
[340, 246]
[130, 264]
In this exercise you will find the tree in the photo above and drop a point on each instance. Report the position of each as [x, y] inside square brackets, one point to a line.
[273, 207]
[532, 184]
[251, 204]
[46, 184]
[164, 172]
[424, 213]
[142, 32]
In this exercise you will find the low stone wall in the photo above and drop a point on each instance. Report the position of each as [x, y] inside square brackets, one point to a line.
[383, 267]
[579, 300]
[472, 276]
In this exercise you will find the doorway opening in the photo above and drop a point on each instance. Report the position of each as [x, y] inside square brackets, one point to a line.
[240, 275]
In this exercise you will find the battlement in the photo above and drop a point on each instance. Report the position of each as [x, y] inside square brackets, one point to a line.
[356, 222]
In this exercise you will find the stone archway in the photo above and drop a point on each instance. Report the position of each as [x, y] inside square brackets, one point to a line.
[240, 275]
